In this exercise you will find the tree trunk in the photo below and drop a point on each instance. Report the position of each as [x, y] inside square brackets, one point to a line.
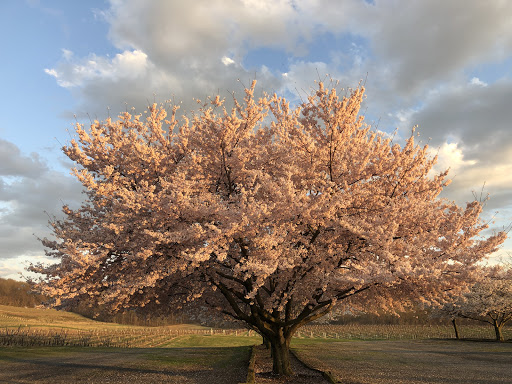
[266, 342]
[497, 330]
[454, 322]
[280, 348]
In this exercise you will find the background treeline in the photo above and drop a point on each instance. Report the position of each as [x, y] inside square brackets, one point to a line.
[130, 317]
[18, 293]
[413, 317]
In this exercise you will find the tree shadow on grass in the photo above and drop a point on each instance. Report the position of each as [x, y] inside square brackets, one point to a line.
[169, 365]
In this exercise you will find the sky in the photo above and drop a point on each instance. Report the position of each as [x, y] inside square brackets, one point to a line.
[444, 66]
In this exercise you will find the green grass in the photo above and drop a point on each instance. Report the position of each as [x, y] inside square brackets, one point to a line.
[35, 352]
[315, 341]
[195, 357]
[215, 341]
[174, 365]
[411, 361]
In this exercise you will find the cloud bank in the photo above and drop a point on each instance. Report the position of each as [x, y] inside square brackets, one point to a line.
[425, 63]
[30, 192]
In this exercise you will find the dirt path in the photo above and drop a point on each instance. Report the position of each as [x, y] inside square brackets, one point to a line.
[179, 365]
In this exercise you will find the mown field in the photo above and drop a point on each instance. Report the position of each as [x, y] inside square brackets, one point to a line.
[411, 361]
[213, 362]
[47, 346]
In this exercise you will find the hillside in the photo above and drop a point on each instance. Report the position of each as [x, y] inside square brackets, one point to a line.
[19, 294]
[11, 316]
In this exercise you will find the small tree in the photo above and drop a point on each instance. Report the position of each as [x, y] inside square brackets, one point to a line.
[268, 214]
[448, 310]
[488, 301]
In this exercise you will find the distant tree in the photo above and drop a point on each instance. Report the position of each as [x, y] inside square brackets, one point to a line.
[448, 311]
[488, 301]
[271, 215]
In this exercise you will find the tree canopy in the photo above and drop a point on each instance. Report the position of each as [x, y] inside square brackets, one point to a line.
[270, 214]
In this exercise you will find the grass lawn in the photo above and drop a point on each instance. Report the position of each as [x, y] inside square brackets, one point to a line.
[216, 341]
[410, 361]
[192, 359]
[179, 354]
[224, 358]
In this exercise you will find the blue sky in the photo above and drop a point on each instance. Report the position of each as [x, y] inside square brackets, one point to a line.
[444, 66]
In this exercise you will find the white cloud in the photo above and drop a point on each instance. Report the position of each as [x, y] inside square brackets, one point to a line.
[413, 46]
[477, 81]
[227, 61]
[171, 30]
[131, 79]
[408, 45]
[52, 72]
[451, 156]
[14, 268]
[126, 65]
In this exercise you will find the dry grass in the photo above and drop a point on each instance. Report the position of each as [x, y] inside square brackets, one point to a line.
[398, 332]
[29, 327]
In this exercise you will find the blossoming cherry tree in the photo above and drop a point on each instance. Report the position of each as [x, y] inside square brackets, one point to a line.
[269, 214]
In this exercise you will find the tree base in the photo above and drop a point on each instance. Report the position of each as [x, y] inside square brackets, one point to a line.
[263, 367]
